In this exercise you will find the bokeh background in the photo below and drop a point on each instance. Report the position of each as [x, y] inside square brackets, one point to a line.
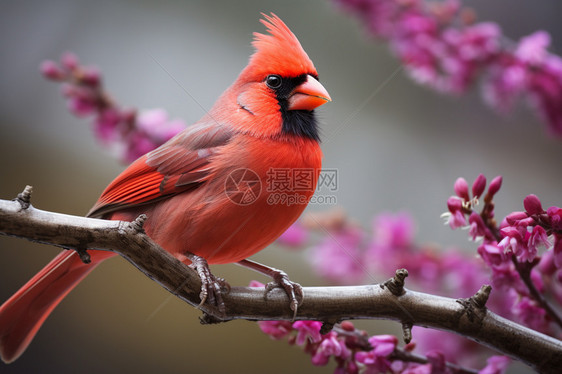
[401, 151]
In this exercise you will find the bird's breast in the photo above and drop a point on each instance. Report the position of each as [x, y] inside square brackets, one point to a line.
[253, 196]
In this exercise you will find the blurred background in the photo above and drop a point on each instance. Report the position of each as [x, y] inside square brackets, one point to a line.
[400, 151]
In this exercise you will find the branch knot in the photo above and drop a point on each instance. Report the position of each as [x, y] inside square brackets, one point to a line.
[138, 223]
[407, 331]
[475, 306]
[396, 284]
[24, 197]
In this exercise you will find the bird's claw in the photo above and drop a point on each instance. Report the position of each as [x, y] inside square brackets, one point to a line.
[212, 287]
[292, 289]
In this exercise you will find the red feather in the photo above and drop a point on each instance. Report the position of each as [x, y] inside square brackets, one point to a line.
[178, 166]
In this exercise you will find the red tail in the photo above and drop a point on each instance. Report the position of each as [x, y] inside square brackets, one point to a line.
[22, 315]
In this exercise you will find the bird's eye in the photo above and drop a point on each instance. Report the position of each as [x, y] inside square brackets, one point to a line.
[273, 81]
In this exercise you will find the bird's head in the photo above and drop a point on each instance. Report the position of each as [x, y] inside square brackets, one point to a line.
[279, 89]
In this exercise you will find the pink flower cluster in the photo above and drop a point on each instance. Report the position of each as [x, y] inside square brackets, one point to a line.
[295, 236]
[349, 254]
[522, 256]
[529, 70]
[129, 134]
[511, 251]
[354, 351]
[442, 47]
[524, 232]
[461, 205]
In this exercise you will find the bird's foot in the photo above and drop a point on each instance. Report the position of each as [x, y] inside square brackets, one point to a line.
[292, 289]
[212, 287]
[280, 280]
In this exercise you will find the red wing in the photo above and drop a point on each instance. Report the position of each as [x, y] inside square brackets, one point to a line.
[180, 165]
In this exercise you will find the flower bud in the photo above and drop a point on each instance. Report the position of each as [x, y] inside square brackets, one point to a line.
[50, 70]
[347, 326]
[495, 185]
[69, 60]
[91, 76]
[512, 218]
[533, 205]
[461, 188]
[479, 185]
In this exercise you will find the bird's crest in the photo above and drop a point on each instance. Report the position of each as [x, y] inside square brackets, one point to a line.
[278, 52]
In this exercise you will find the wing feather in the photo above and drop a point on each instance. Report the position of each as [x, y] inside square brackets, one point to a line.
[180, 165]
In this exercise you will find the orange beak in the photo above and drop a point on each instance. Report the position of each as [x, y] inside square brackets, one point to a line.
[309, 95]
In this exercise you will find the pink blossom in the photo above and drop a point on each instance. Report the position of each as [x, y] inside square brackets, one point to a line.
[505, 277]
[330, 346]
[491, 254]
[157, 126]
[339, 256]
[447, 52]
[544, 78]
[105, 126]
[276, 329]
[295, 236]
[515, 241]
[392, 247]
[81, 107]
[118, 128]
[536, 238]
[456, 217]
[478, 42]
[530, 314]
[255, 283]
[456, 220]
[532, 48]
[307, 331]
[477, 227]
[444, 344]
[376, 360]
[394, 230]
[138, 145]
[437, 360]
[505, 84]
[460, 276]
[383, 345]
[152, 129]
[496, 365]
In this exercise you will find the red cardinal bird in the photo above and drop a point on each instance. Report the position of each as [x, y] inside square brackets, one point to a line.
[207, 192]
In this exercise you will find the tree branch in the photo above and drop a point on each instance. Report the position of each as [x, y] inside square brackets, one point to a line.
[467, 317]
